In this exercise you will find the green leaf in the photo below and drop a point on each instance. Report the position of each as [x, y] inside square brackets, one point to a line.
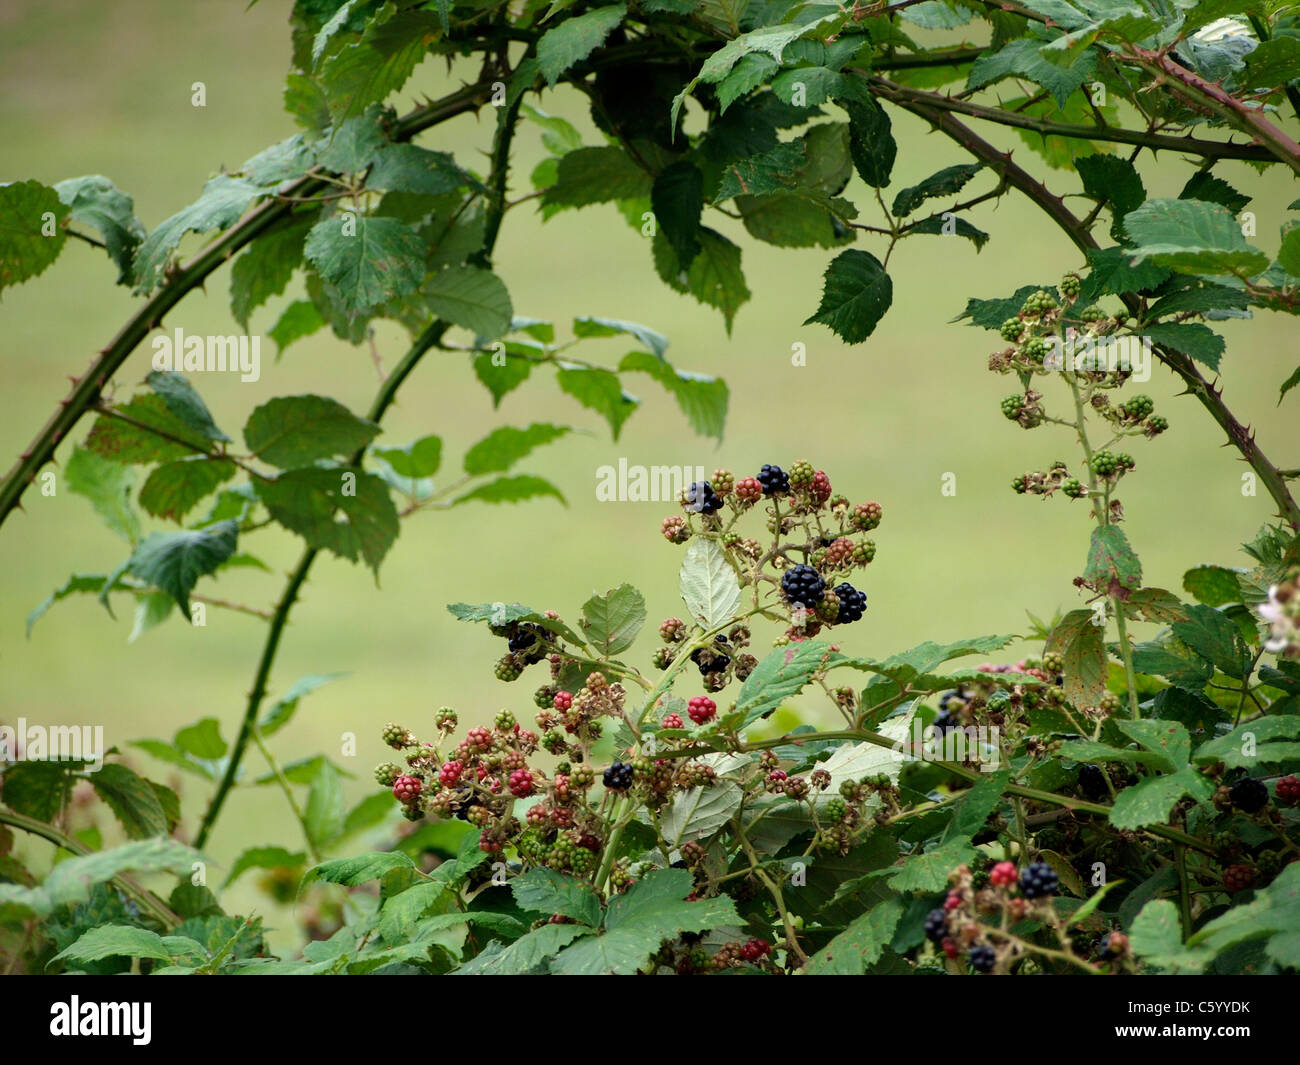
[1079, 641]
[1192, 236]
[678, 200]
[978, 804]
[263, 269]
[306, 501]
[223, 202]
[471, 297]
[501, 374]
[1214, 636]
[946, 182]
[871, 142]
[128, 941]
[1274, 64]
[639, 920]
[182, 401]
[1115, 272]
[1023, 58]
[175, 561]
[714, 277]
[545, 891]
[1201, 297]
[264, 858]
[296, 430]
[796, 218]
[1193, 339]
[929, 871]
[610, 622]
[860, 945]
[119, 440]
[366, 260]
[767, 172]
[948, 224]
[107, 485]
[990, 314]
[408, 168]
[131, 799]
[596, 175]
[709, 585]
[34, 788]
[96, 202]
[202, 739]
[1111, 561]
[1179, 668]
[360, 868]
[699, 812]
[1213, 585]
[779, 676]
[173, 489]
[31, 230]
[856, 295]
[511, 490]
[598, 390]
[1210, 188]
[368, 72]
[1157, 937]
[702, 399]
[1250, 744]
[1274, 912]
[283, 709]
[299, 319]
[608, 327]
[525, 954]
[1289, 384]
[1149, 802]
[323, 814]
[504, 613]
[1168, 740]
[70, 881]
[1288, 255]
[1115, 183]
[574, 39]
[419, 459]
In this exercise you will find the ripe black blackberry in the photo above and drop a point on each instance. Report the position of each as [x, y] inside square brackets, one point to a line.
[853, 604]
[774, 480]
[1038, 880]
[1249, 795]
[526, 642]
[803, 584]
[701, 499]
[1092, 782]
[618, 777]
[982, 959]
[936, 925]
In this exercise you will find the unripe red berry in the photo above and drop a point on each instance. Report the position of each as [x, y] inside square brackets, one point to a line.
[521, 783]
[673, 721]
[563, 701]
[1004, 874]
[450, 773]
[702, 709]
[406, 789]
[749, 490]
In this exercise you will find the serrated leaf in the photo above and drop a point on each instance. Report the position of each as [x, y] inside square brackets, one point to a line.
[1192, 236]
[471, 297]
[360, 868]
[610, 622]
[1247, 745]
[598, 390]
[860, 945]
[1023, 58]
[1168, 740]
[1114, 183]
[708, 584]
[1150, 801]
[946, 182]
[293, 431]
[596, 175]
[702, 399]
[1214, 636]
[70, 881]
[95, 201]
[779, 676]
[501, 375]
[511, 490]
[299, 319]
[222, 204]
[121, 441]
[929, 871]
[323, 814]
[639, 920]
[1079, 642]
[574, 39]
[35, 788]
[283, 709]
[1111, 561]
[549, 892]
[133, 802]
[175, 561]
[1157, 937]
[264, 268]
[173, 489]
[871, 141]
[950, 225]
[608, 327]
[1193, 339]
[107, 485]
[264, 858]
[758, 174]
[31, 230]
[346, 512]
[366, 260]
[714, 277]
[857, 292]
[77, 584]
[1213, 585]
[128, 941]
[525, 954]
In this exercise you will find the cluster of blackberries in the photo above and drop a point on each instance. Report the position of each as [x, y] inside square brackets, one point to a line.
[774, 480]
[936, 925]
[1249, 795]
[713, 661]
[701, 498]
[1092, 782]
[803, 585]
[1038, 880]
[982, 959]
[526, 641]
[853, 603]
[618, 777]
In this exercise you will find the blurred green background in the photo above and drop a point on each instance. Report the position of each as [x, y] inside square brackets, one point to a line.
[106, 89]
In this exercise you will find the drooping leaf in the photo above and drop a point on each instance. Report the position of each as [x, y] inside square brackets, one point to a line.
[31, 230]
[1078, 639]
[96, 202]
[574, 39]
[132, 799]
[1192, 236]
[610, 622]
[946, 182]
[107, 485]
[702, 399]
[175, 561]
[708, 584]
[366, 260]
[223, 202]
[856, 295]
[290, 431]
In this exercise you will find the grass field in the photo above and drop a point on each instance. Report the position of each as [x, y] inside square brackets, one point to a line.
[106, 89]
